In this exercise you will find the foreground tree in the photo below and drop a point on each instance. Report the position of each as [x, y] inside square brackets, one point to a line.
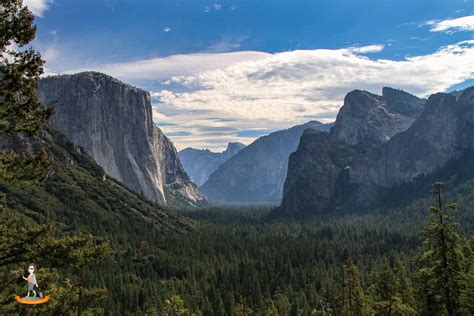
[442, 275]
[20, 69]
[21, 239]
[20, 110]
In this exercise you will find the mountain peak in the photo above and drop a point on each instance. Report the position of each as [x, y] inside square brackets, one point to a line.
[367, 118]
[235, 144]
[234, 147]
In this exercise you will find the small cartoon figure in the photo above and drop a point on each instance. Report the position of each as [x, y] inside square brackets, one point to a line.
[33, 300]
[31, 279]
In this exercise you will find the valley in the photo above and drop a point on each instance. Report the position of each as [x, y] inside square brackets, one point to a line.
[154, 166]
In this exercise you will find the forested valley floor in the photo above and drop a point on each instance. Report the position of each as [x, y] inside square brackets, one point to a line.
[246, 261]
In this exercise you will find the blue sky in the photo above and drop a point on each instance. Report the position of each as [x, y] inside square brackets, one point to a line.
[223, 71]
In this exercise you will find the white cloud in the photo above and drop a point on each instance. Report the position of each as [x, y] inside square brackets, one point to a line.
[166, 29]
[214, 96]
[286, 87]
[164, 68]
[37, 7]
[465, 23]
[367, 49]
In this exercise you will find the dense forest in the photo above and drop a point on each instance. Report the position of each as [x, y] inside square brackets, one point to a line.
[246, 261]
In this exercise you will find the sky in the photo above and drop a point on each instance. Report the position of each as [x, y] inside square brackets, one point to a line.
[226, 71]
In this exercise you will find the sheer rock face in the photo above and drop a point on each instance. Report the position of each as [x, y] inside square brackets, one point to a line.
[320, 162]
[113, 122]
[257, 172]
[430, 149]
[201, 163]
[369, 119]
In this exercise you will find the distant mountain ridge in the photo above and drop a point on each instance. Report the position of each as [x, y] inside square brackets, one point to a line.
[113, 122]
[257, 172]
[199, 164]
[329, 172]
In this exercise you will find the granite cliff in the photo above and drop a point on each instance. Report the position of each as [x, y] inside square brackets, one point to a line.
[369, 119]
[113, 122]
[384, 161]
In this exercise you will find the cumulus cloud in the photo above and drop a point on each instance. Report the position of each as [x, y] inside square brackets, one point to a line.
[37, 7]
[215, 98]
[465, 23]
[166, 29]
[284, 87]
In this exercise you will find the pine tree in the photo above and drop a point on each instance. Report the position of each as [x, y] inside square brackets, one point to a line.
[441, 277]
[20, 110]
[390, 292]
[353, 293]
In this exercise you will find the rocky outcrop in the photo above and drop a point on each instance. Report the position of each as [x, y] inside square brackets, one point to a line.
[320, 162]
[438, 145]
[257, 173]
[369, 119]
[113, 122]
[201, 163]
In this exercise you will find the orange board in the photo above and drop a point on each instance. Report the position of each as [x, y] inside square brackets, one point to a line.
[31, 301]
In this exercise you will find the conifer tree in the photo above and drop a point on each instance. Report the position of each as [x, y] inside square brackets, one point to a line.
[353, 293]
[390, 292]
[441, 277]
[20, 110]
